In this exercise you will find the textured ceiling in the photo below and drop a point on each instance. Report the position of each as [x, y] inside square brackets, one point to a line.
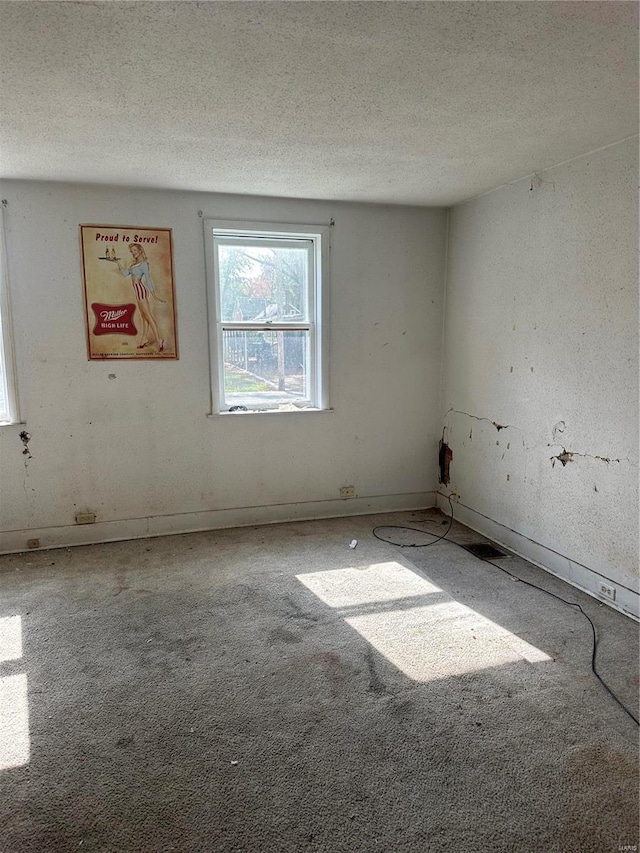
[420, 103]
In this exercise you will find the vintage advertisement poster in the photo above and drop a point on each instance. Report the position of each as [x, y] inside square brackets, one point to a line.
[129, 292]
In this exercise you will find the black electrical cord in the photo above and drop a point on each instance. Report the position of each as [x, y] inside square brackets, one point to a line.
[514, 577]
[417, 529]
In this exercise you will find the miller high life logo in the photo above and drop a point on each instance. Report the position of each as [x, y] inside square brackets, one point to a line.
[114, 319]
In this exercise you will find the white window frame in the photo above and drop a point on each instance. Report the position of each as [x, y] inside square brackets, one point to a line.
[318, 306]
[11, 414]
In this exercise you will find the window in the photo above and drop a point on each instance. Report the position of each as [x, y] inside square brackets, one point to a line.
[268, 309]
[8, 401]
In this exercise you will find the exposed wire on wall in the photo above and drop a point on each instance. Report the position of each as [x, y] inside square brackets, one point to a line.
[444, 537]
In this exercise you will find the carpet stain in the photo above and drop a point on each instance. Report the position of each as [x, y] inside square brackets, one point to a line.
[334, 667]
[281, 635]
[376, 684]
[295, 611]
[234, 594]
[614, 776]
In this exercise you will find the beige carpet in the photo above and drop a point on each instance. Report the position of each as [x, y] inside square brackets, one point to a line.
[272, 689]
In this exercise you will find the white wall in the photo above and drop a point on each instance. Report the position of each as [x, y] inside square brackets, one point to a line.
[139, 450]
[542, 328]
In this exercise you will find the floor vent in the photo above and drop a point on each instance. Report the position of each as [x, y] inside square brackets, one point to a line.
[485, 551]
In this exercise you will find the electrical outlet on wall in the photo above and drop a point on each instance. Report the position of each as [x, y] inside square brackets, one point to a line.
[608, 591]
[348, 492]
[85, 518]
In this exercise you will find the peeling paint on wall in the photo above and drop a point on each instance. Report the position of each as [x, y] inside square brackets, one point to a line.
[567, 264]
[568, 456]
[477, 418]
[563, 457]
[25, 438]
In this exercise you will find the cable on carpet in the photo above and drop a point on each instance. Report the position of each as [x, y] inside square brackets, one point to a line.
[443, 537]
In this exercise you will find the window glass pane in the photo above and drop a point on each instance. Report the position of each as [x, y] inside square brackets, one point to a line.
[266, 370]
[259, 283]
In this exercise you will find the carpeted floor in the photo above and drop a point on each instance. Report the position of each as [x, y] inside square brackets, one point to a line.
[271, 689]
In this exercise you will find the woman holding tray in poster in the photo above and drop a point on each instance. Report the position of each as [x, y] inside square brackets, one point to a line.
[143, 288]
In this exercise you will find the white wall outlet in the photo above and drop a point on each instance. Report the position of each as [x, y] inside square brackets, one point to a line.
[608, 591]
[85, 518]
[348, 492]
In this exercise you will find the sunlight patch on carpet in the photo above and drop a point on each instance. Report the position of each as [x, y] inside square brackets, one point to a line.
[10, 638]
[14, 721]
[368, 584]
[14, 707]
[428, 635]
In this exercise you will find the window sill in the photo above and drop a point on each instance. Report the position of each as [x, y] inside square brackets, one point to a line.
[270, 412]
[5, 424]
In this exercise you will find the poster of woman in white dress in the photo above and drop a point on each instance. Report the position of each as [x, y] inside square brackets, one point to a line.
[129, 292]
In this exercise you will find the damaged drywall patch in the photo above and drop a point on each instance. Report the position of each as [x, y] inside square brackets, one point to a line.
[445, 458]
[497, 425]
[25, 438]
[565, 457]
[568, 456]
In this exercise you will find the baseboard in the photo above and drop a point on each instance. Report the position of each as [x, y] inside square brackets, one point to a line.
[586, 579]
[67, 536]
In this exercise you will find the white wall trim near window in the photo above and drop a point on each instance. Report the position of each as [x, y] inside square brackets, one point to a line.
[9, 413]
[268, 307]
